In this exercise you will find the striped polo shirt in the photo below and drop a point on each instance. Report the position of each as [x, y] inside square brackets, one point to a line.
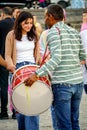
[66, 52]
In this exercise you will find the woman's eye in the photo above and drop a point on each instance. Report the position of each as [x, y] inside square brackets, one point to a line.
[26, 22]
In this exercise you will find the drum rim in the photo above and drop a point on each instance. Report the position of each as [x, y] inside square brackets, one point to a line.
[31, 86]
[21, 68]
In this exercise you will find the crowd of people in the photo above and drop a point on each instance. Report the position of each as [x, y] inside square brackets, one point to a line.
[23, 42]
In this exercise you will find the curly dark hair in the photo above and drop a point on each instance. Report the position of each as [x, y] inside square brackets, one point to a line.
[31, 35]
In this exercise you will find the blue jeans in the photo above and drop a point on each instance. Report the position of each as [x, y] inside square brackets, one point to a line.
[26, 122]
[66, 104]
[54, 118]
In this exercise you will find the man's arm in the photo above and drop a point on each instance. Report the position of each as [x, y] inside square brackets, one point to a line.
[2, 61]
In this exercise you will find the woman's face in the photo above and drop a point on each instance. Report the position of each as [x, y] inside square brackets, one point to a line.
[27, 25]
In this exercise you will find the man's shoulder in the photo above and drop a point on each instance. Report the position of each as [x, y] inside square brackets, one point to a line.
[1, 22]
[72, 28]
[52, 30]
[5, 22]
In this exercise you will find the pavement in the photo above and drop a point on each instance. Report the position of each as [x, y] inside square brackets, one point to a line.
[45, 119]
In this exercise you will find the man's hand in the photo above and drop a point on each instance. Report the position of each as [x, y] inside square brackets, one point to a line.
[31, 79]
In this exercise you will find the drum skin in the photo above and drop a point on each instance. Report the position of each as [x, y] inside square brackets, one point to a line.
[34, 100]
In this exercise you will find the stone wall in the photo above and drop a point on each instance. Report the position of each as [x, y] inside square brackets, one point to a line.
[74, 17]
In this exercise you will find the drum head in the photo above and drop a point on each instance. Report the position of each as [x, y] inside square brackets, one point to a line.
[32, 100]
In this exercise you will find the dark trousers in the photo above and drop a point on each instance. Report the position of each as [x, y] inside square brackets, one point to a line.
[4, 89]
[85, 88]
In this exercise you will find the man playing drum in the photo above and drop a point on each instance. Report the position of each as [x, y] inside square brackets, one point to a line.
[66, 52]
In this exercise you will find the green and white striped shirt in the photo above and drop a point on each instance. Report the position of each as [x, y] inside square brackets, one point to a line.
[66, 53]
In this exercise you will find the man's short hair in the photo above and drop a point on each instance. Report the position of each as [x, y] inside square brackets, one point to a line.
[7, 10]
[56, 11]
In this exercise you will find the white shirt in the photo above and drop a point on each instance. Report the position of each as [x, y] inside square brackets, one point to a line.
[84, 41]
[25, 50]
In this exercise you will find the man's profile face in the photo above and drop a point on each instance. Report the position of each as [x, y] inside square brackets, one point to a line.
[16, 13]
[48, 19]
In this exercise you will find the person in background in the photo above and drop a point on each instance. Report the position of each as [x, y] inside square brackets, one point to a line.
[84, 20]
[15, 13]
[84, 41]
[2, 63]
[0, 14]
[66, 52]
[6, 24]
[42, 3]
[37, 25]
[22, 48]
[77, 4]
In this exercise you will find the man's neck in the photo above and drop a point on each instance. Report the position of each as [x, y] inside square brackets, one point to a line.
[6, 16]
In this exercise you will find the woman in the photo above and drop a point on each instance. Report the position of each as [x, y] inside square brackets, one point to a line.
[22, 48]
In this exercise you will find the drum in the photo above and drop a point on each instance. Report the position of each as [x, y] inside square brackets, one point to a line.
[30, 100]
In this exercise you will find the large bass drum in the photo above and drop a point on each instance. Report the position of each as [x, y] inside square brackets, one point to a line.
[30, 100]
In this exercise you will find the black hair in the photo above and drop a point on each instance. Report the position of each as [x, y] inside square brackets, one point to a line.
[7, 10]
[56, 11]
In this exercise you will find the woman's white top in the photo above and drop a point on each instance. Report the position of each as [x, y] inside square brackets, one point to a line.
[25, 50]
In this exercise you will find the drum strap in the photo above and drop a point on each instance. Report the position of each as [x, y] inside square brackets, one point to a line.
[45, 53]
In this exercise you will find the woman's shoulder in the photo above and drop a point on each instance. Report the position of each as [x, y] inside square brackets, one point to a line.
[10, 33]
[10, 36]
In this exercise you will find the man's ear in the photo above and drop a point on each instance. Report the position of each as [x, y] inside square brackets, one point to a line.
[51, 17]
